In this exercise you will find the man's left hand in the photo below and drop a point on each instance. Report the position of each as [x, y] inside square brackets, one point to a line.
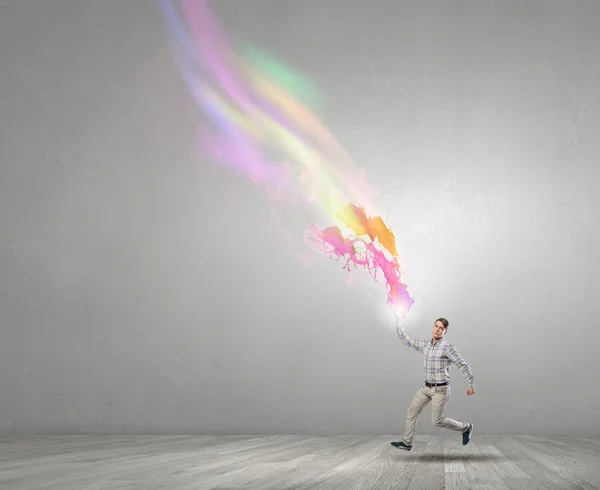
[470, 391]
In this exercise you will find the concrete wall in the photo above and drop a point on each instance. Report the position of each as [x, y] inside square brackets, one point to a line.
[144, 288]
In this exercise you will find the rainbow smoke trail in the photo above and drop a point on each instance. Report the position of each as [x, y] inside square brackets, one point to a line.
[275, 140]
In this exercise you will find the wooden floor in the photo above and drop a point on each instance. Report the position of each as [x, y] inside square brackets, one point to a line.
[298, 462]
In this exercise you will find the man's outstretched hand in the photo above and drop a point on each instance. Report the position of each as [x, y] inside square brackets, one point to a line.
[470, 391]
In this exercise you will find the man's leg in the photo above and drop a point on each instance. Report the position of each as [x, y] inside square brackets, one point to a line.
[440, 398]
[420, 401]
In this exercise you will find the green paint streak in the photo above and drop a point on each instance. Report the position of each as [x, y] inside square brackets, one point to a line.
[293, 82]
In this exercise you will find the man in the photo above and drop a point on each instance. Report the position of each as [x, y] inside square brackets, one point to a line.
[438, 354]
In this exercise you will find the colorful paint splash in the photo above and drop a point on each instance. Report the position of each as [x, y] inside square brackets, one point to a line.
[263, 128]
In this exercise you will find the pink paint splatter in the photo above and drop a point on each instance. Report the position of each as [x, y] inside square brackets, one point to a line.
[260, 130]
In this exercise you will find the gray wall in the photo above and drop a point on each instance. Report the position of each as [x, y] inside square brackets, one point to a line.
[143, 289]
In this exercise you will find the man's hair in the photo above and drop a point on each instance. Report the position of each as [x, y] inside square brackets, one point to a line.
[444, 322]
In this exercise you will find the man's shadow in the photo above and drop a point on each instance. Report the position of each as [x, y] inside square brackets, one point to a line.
[449, 458]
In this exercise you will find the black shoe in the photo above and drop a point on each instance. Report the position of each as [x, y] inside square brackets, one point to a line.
[467, 434]
[401, 445]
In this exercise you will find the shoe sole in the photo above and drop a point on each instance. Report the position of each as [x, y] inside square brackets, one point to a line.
[403, 448]
[470, 434]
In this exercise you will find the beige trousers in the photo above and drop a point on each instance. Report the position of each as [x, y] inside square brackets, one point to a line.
[439, 396]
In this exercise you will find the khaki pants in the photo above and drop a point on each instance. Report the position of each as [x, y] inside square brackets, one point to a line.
[439, 396]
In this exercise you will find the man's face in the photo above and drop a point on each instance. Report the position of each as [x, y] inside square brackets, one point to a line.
[438, 330]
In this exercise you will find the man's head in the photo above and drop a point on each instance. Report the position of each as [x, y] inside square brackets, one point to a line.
[440, 327]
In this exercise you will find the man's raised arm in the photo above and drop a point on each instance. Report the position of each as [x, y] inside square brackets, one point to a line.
[417, 345]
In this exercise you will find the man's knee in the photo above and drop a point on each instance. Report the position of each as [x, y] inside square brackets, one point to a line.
[438, 422]
[412, 412]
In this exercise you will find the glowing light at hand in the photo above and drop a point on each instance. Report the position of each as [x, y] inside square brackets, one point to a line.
[262, 131]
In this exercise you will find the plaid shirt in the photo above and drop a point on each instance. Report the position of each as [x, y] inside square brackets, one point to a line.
[437, 358]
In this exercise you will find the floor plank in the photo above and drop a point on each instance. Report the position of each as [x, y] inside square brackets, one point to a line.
[296, 462]
[535, 464]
